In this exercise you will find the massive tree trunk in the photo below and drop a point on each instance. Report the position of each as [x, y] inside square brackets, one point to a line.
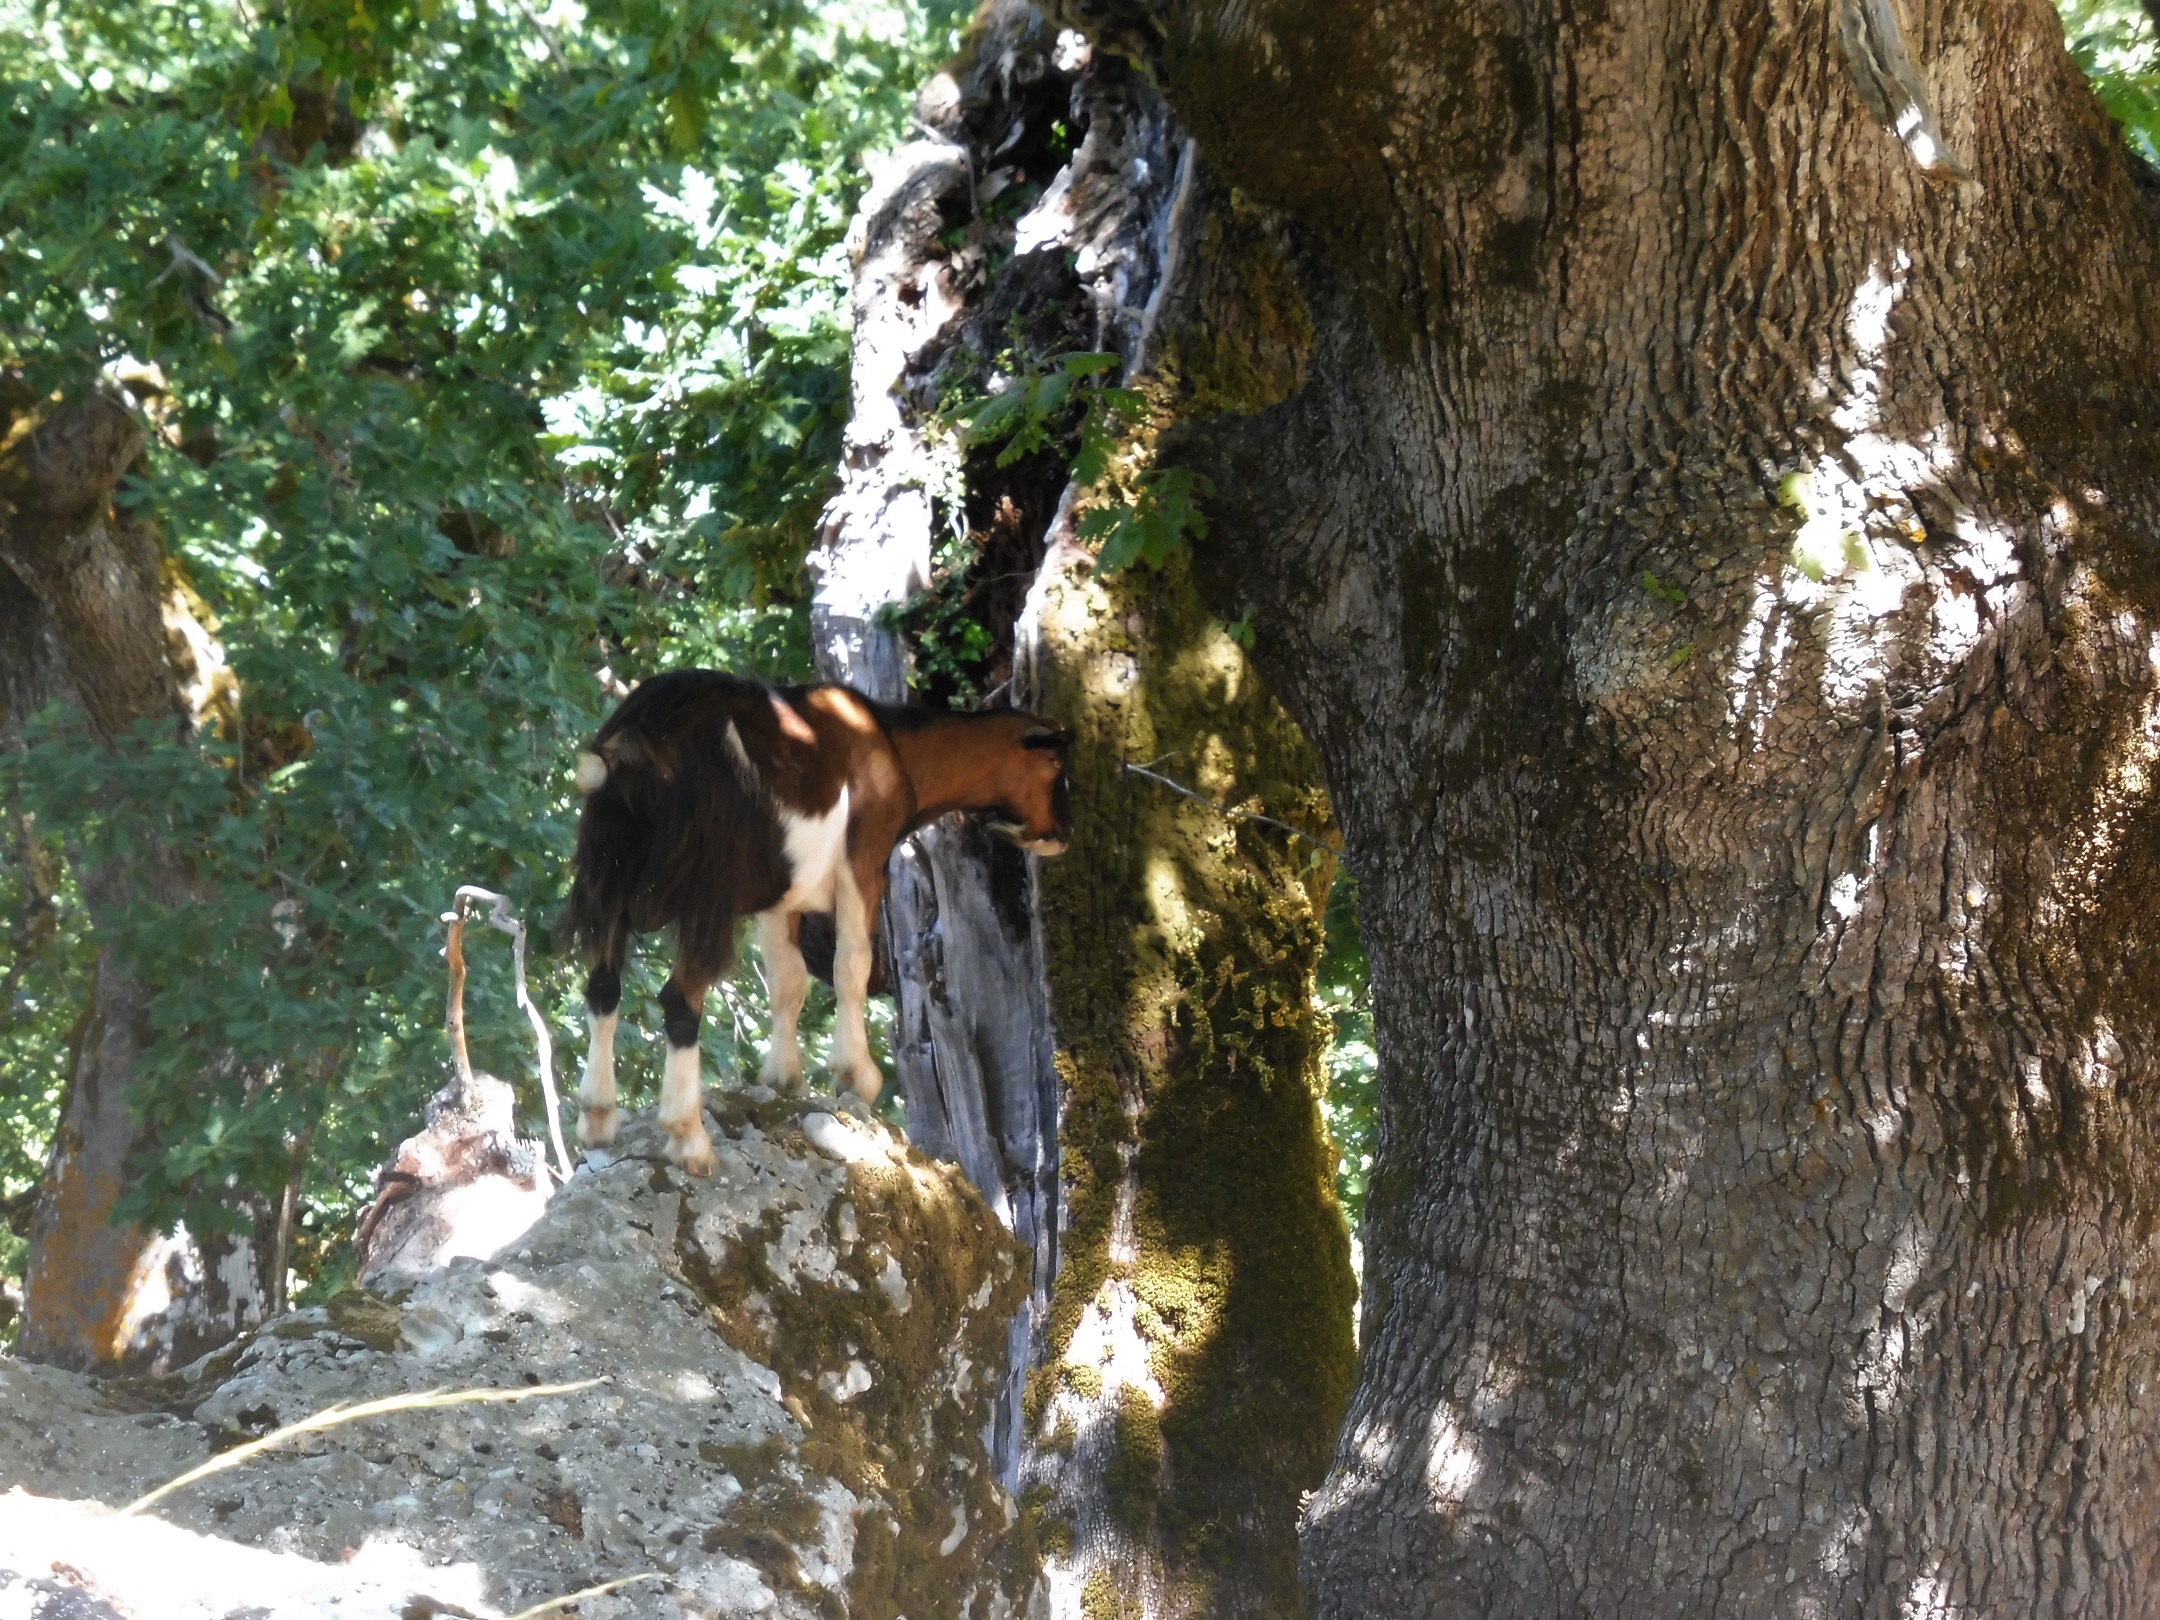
[1121, 1046]
[86, 615]
[1713, 549]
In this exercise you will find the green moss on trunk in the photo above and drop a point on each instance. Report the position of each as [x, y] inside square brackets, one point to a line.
[1183, 946]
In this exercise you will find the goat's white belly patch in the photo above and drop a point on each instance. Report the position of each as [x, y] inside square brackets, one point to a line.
[816, 849]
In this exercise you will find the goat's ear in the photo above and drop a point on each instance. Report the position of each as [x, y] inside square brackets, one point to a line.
[1046, 737]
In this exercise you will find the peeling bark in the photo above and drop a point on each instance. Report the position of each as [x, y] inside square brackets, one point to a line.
[1716, 563]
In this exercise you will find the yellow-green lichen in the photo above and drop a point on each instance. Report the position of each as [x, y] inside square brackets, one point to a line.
[1249, 336]
[1134, 1477]
[1183, 945]
[922, 1456]
[1103, 1598]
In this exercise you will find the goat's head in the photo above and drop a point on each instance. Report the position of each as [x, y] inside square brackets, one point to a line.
[1035, 810]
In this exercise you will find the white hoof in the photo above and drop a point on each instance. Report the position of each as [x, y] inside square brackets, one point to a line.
[866, 1081]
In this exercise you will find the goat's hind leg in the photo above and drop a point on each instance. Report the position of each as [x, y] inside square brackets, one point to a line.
[603, 1002]
[682, 1097]
[788, 980]
[856, 897]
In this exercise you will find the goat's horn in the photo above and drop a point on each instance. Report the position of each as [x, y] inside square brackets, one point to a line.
[1046, 737]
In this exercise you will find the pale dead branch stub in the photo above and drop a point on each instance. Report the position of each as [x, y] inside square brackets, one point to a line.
[501, 918]
[331, 1417]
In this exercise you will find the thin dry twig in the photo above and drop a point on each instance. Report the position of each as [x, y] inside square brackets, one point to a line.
[501, 917]
[546, 38]
[1225, 811]
[568, 1598]
[330, 1417]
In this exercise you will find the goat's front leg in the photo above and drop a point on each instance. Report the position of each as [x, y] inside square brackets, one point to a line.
[857, 893]
[789, 983]
[682, 1098]
[603, 998]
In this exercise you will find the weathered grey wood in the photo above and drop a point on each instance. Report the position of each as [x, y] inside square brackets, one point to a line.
[972, 1046]
[971, 1039]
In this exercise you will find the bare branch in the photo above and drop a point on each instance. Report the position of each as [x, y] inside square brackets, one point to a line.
[1225, 811]
[1889, 82]
[501, 917]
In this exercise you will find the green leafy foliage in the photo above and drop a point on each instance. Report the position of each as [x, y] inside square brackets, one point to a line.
[948, 644]
[2115, 42]
[1163, 514]
[502, 357]
[1033, 406]
[1352, 1063]
[1061, 404]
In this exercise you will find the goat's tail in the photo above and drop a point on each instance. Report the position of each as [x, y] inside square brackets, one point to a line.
[614, 847]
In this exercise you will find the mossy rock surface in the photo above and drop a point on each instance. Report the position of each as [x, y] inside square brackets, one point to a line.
[783, 1373]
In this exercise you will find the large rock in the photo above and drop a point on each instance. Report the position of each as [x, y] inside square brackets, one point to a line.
[797, 1357]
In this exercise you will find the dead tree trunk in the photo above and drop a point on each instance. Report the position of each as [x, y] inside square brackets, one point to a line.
[87, 619]
[1713, 548]
[1120, 1046]
[971, 1039]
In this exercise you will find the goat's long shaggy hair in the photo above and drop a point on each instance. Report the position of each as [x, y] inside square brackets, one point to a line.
[679, 830]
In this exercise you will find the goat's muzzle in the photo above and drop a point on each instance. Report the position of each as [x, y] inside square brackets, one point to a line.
[1017, 832]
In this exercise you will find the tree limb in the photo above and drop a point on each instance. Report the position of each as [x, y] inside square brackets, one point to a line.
[1225, 811]
[1889, 82]
[95, 569]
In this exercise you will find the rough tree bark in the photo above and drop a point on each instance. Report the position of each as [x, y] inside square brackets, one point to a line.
[1713, 549]
[1120, 1046]
[89, 615]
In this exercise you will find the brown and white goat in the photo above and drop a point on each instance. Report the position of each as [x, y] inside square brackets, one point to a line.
[709, 798]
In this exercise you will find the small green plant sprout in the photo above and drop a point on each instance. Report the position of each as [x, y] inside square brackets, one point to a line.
[1034, 409]
[1670, 595]
[1163, 511]
[1241, 630]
